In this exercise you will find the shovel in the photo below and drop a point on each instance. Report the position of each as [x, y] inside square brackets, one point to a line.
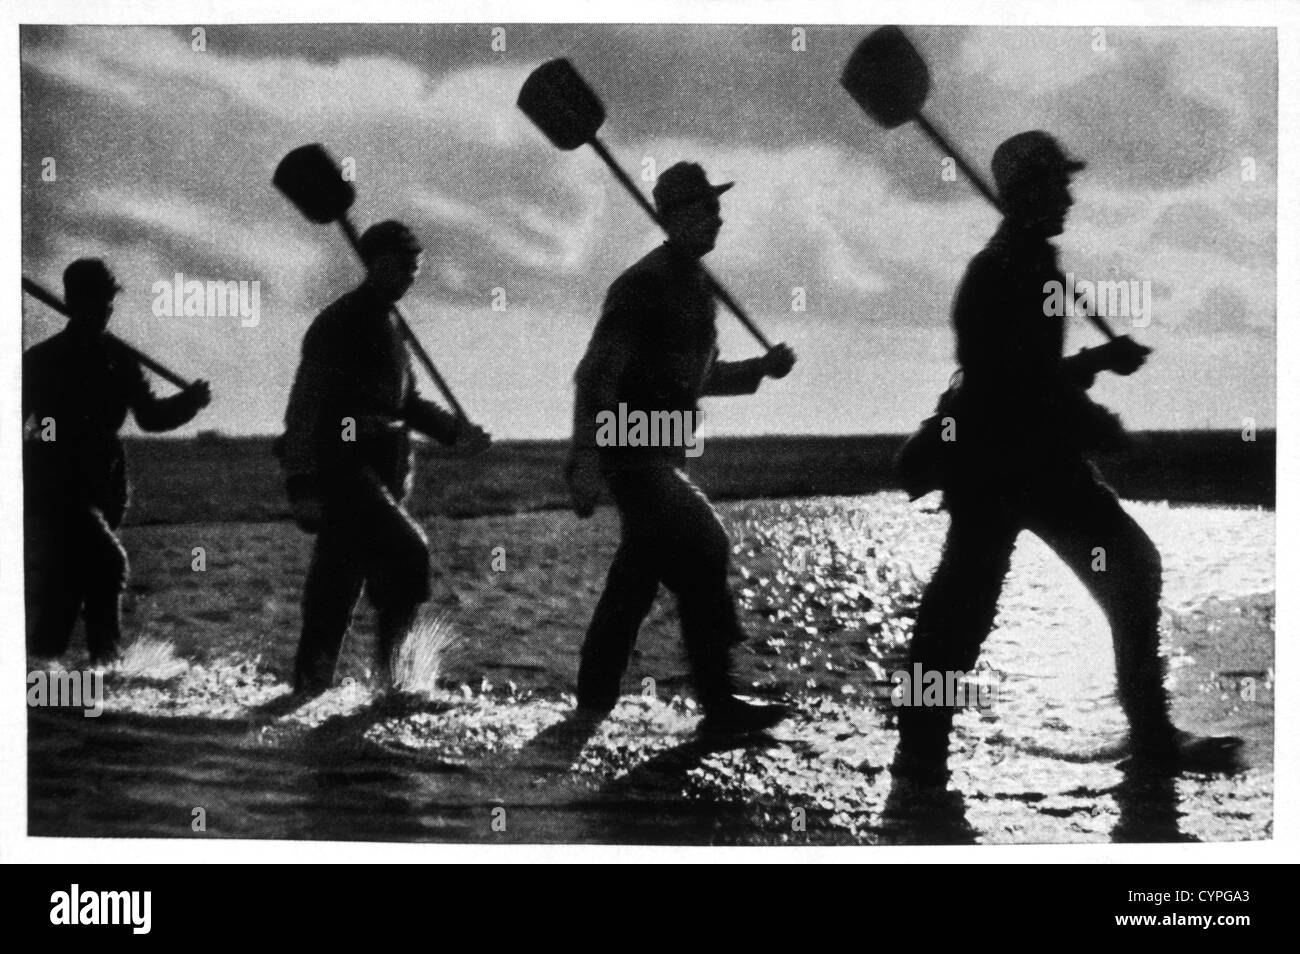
[45, 296]
[561, 104]
[890, 81]
[314, 183]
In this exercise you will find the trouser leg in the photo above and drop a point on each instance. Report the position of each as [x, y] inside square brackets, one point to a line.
[391, 628]
[956, 614]
[366, 539]
[1115, 559]
[395, 554]
[630, 589]
[329, 595]
[670, 534]
[53, 593]
[105, 574]
[695, 552]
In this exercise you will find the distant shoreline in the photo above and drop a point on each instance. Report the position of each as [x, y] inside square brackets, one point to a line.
[212, 478]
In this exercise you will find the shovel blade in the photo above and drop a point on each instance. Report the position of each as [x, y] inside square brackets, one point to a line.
[887, 77]
[561, 104]
[314, 183]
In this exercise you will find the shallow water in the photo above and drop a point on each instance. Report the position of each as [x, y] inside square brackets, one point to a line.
[829, 588]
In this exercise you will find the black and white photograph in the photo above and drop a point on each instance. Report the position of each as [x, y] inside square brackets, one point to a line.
[675, 431]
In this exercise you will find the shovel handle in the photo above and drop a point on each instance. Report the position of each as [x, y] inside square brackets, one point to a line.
[424, 359]
[47, 297]
[625, 180]
[412, 342]
[722, 294]
[733, 306]
[947, 149]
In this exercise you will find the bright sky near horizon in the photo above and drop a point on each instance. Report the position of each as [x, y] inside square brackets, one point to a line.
[164, 156]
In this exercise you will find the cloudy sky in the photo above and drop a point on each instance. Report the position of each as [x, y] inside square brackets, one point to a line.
[164, 156]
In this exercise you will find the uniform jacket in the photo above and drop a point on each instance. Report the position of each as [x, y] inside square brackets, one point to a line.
[87, 385]
[1019, 395]
[654, 349]
[355, 365]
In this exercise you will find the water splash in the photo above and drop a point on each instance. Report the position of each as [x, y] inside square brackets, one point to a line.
[149, 659]
[423, 654]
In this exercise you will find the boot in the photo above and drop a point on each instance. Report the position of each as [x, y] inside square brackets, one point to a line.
[734, 716]
[724, 712]
[1180, 751]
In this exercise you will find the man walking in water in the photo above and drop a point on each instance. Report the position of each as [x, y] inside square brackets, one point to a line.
[77, 388]
[654, 350]
[1023, 424]
[346, 453]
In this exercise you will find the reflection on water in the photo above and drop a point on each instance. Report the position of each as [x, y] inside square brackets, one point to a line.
[830, 586]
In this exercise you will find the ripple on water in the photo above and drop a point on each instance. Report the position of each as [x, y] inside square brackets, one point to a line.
[830, 588]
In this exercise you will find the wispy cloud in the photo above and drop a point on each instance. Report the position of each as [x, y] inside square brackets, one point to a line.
[166, 156]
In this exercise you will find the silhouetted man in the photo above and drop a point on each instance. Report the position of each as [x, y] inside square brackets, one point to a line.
[1023, 424]
[346, 453]
[653, 351]
[77, 388]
